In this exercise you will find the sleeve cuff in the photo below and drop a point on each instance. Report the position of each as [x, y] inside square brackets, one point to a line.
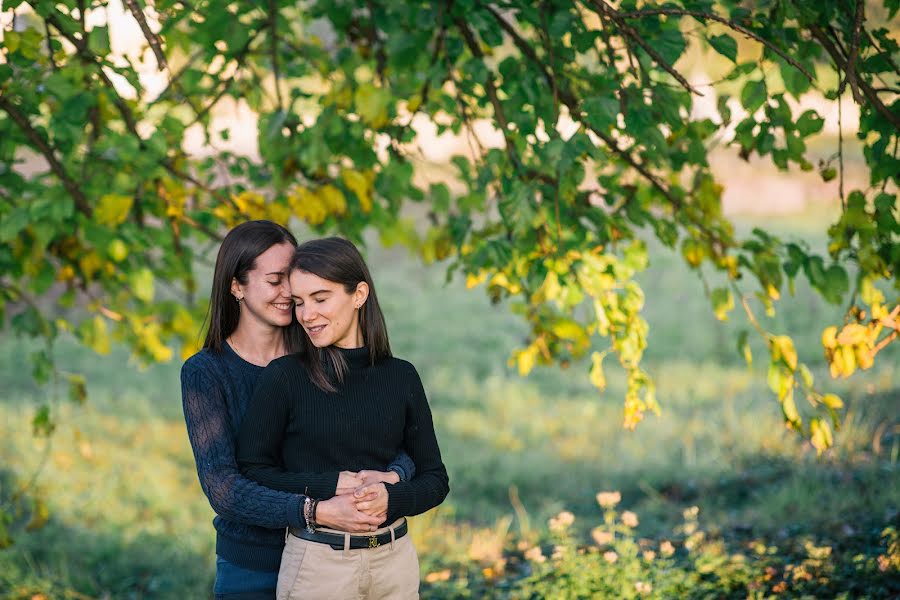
[324, 486]
[294, 511]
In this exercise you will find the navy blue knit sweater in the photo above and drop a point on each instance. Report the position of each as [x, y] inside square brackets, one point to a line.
[216, 390]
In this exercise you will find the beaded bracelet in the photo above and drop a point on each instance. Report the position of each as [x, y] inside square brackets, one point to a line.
[308, 511]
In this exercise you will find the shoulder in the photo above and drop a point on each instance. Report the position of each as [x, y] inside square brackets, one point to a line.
[399, 367]
[203, 363]
[289, 364]
[288, 368]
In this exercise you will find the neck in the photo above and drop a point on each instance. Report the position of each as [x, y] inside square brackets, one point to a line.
[257, 344]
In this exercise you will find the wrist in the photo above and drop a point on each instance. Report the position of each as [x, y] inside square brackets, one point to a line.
[398, 471]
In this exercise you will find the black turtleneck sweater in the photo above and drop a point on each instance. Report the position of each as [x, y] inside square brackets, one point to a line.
[296, 437]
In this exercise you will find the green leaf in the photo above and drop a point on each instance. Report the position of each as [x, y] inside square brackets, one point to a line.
[836, 284]
[725, 45]
[795, 82]
[753, 95]
[77, 389]
[98, 40]
[13, 223]
[809, 123]
[42, 366]
[41, 423]
[601, 111]
[12, 40]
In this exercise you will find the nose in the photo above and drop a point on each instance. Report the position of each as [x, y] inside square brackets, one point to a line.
[306, 314]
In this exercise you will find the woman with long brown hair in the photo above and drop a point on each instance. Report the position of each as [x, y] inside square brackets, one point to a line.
[251, 323]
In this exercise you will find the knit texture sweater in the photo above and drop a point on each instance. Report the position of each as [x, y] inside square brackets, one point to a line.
[296, 437]
[217, 388]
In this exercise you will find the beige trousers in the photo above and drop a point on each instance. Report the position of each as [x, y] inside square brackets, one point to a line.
[312, 570]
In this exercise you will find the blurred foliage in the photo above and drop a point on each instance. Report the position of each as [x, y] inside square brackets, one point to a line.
[597, 145]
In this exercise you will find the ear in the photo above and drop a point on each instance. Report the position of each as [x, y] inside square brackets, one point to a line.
[236, 289]
[361, 294]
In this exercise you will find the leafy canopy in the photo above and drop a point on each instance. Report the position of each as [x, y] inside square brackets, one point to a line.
[597, 147]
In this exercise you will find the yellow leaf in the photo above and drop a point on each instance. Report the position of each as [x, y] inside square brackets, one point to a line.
[100, 342]
[568, 329]
[598, 379]
[113, 209]
[361, 185]
[820, 437]
[829, 337]
[278, 213]
[413, 104]
[852, 334]
[832, 401]
[90, 263]
[333, 200]
[473, 280]
[372, 105]
[785, 350]
[40, 515]
[846, 360]
[525, 359]
[308, 206]
[142, 284]
[117, 250]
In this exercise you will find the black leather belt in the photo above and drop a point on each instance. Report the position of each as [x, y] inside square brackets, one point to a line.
[336, 540]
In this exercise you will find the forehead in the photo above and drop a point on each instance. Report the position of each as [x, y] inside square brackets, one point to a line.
[275, 260]
[304, 283]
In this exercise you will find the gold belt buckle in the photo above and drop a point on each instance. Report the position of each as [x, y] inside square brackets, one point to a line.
[373, 541]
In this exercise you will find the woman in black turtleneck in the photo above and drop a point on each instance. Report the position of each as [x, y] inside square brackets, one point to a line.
[344, 403]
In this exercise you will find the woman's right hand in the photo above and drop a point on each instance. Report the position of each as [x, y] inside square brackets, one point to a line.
[347, 482]
[369, 477]
[341, 513]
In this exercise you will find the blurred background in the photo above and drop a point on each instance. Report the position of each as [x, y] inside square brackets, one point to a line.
[550, 495]
[125, 516]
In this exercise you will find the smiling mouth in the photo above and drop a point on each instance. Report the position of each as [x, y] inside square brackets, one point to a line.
[282, 306]
[315, 330]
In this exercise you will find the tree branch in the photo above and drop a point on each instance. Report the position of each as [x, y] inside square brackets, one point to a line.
[571, 103]
[605, 9]
[866, 89]
[81, 202]
[850, 76]
[276, 72]
[375, 43]
[491, 90]
[637, 14]
[89, 57]
[152, 39]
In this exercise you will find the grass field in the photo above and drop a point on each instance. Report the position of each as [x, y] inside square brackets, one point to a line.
[126, 517]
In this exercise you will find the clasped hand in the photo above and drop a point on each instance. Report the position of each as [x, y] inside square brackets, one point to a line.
[360, 503]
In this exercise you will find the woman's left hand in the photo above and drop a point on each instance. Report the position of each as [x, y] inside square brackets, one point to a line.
[372, 499]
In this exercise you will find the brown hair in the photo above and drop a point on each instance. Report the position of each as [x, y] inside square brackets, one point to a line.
[237, 257]
[338, 260]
